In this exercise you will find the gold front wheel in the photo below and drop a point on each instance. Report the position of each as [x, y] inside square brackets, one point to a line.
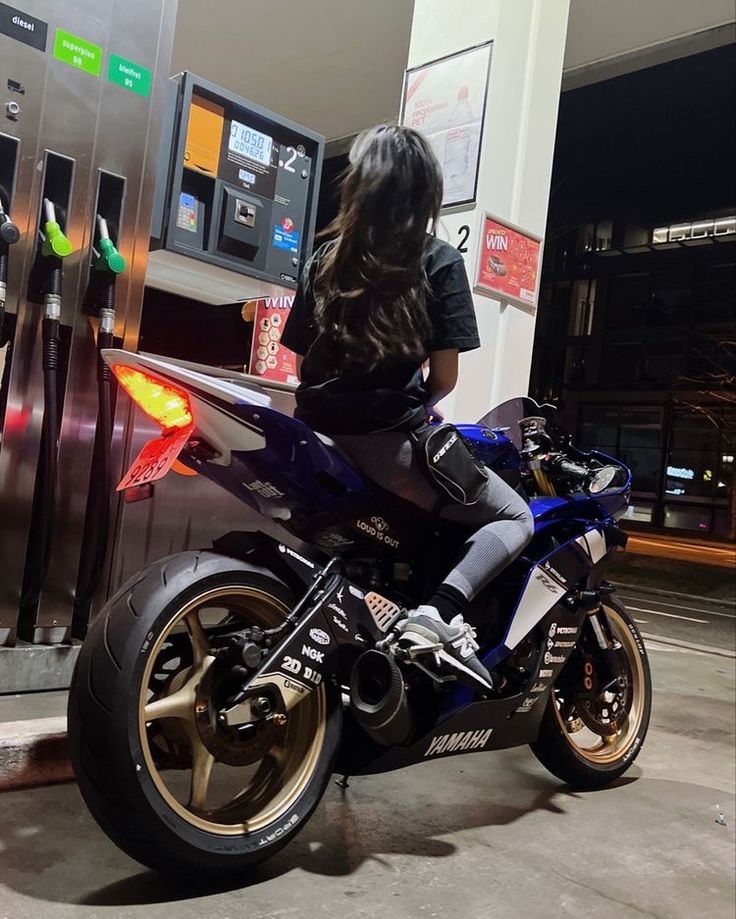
[598, 713]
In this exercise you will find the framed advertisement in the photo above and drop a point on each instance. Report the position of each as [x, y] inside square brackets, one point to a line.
[268, 357]
[446, 100]
[509, 262]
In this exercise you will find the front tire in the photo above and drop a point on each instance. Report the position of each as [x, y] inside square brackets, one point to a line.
[572, 752]
[136, 706]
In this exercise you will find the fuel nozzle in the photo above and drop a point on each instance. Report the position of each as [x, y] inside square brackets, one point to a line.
[55, 243]
[109, 258]
[9, 232]
[55, 247]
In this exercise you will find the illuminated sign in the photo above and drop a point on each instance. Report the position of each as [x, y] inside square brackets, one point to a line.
[716, 226]
[680, 472]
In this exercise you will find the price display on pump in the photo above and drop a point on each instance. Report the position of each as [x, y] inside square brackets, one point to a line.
[250, 143]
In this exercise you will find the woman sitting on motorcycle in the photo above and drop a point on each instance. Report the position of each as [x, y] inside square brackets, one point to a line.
[373, 305]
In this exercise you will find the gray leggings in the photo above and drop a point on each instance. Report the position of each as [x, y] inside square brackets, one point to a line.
[505, 523]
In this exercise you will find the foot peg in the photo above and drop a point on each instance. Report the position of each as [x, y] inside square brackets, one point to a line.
[383, 611]
[412, 648]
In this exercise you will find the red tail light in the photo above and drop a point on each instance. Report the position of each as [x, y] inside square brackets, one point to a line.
[166, 404]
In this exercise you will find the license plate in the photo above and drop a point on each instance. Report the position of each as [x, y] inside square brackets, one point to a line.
[155, 459]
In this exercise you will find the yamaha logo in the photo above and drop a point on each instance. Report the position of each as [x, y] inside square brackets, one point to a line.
[463, 740]
[322, 638]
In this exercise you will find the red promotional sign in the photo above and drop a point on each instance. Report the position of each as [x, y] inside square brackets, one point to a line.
[508, 263]
[268, 357]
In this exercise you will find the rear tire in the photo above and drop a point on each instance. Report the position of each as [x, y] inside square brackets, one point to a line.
[117, 759]
[597, 767]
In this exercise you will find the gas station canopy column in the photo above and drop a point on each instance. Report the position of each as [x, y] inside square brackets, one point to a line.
[514, 165]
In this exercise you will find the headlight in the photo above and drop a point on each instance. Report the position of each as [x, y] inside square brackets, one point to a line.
[602, 480]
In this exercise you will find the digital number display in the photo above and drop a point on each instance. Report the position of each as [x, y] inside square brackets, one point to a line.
[250, 143]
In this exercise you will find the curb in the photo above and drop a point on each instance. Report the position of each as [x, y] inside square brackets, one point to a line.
[34, 752]
[656, 592]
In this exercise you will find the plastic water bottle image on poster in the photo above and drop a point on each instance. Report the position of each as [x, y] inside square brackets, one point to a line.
[509, 263]
[446, 101]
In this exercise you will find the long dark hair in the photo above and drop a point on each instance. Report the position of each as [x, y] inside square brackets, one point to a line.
[371, 287]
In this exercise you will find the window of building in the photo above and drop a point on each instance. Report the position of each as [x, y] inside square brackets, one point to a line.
[598, 427]
[582, 305]
[621, 362]
[639, 513]
[690, 473]
[717, 292]
[683, 461]
[627, 297]
[670, 297]
[595, 237]
[688, 518]
[663, 360]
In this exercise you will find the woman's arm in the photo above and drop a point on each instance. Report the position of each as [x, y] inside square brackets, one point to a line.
[442, 379]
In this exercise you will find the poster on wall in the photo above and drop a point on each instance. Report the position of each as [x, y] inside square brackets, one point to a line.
[268, 357]
[509, 263]
[446, 101]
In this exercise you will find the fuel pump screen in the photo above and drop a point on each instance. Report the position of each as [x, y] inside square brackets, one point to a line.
[250, 143]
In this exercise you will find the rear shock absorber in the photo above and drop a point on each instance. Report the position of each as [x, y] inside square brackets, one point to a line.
[54, 249]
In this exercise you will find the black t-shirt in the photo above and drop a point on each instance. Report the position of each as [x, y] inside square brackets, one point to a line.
[390, 397]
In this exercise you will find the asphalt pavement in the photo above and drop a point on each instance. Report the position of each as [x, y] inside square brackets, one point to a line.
[704, 625]
[477, 836]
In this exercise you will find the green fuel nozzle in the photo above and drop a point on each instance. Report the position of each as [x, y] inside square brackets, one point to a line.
[109, 258]
[55, 243]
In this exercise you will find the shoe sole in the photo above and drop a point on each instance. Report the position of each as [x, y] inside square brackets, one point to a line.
[432, 637]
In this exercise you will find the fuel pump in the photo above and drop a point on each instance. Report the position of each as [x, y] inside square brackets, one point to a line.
[107, 264]
[9, 234]
[55, 247]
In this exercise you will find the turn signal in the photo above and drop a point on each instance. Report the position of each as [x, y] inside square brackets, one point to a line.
[166, 404]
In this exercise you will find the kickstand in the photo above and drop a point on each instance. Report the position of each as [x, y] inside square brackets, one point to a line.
[343, 783]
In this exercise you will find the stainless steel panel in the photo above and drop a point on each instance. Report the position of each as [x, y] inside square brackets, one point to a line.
[127, 127]
[101, 126]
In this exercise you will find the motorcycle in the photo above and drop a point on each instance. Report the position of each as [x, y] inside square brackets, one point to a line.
[219, 690]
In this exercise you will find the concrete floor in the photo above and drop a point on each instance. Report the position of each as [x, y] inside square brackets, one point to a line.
[485, 835]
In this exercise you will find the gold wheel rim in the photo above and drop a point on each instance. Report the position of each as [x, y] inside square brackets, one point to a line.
[612, 748]
[292, 764]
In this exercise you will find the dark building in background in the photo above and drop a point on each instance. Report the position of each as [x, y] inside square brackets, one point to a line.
[636, 331]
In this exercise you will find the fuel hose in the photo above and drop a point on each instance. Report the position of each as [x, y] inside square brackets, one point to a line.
[107, 266]
[55, 247]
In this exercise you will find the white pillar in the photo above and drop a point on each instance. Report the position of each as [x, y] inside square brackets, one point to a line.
[515, 163]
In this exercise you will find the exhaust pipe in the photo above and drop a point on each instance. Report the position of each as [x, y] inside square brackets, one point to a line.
[379, 700]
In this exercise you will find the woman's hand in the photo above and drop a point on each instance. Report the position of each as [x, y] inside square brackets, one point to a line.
[434, 415]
